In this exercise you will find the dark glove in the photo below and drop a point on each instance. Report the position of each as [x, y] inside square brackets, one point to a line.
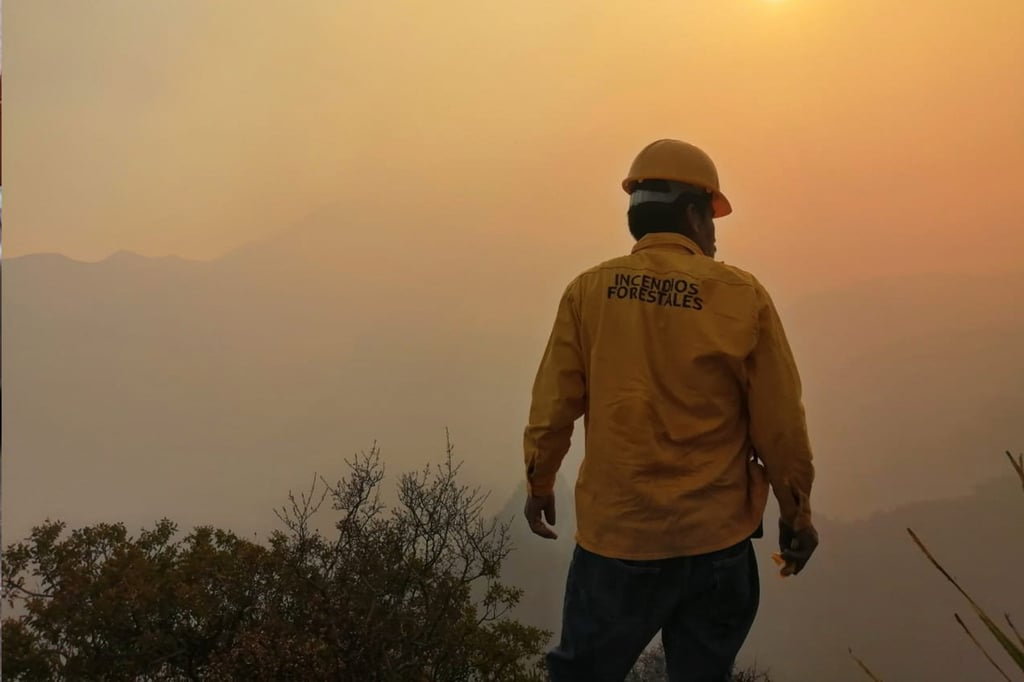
[796, 547]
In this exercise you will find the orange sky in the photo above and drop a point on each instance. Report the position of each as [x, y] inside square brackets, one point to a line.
[854, 137]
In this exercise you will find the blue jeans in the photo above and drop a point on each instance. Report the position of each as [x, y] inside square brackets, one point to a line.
[704, 606]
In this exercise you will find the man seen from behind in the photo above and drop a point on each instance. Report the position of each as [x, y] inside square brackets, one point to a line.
[692, 408]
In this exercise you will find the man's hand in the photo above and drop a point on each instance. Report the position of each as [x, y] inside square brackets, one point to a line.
[796, 547]
[535, 504]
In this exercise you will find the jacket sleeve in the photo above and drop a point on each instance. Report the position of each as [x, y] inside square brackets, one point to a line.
[559, 396]
[778, 427]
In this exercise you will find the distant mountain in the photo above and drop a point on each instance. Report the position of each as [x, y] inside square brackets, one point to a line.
[141, 387]
[868, 587]
[539, 565]
[911, 384]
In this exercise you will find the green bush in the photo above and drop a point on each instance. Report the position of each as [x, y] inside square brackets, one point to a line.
[407, 593]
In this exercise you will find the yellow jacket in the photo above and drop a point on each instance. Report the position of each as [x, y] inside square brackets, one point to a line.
[691, 403]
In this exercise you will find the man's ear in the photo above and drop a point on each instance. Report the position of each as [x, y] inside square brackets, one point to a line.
[693, 218]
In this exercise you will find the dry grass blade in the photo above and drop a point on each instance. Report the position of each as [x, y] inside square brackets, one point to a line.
[980, 647]
[1014, 628]
[865, 668]
[1015, 652]
[1018, 465]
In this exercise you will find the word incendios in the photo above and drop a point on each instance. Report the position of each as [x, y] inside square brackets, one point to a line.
[668, 292]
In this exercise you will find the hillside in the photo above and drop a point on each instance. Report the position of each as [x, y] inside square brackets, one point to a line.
[139, 387]
[868, 587]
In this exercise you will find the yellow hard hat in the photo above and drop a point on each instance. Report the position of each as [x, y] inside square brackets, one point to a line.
[681, 162]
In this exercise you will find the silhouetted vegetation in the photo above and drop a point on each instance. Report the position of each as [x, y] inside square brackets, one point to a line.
[409, 592]
[650, 667]
[1014, 649]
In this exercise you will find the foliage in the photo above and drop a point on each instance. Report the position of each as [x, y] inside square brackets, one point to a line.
[650, 667]
[409, 592]
[1014, 649]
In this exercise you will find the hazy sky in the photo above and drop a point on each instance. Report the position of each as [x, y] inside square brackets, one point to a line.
[856, 140]
[854, 137]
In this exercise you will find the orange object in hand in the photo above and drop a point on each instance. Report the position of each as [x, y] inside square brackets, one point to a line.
[787, 568]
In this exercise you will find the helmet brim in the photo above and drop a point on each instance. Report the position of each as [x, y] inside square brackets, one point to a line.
[720, 206]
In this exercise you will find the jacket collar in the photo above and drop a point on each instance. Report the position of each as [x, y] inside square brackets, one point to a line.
[667, 239]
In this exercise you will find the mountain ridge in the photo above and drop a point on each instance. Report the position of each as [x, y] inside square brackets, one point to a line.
[258, 368]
